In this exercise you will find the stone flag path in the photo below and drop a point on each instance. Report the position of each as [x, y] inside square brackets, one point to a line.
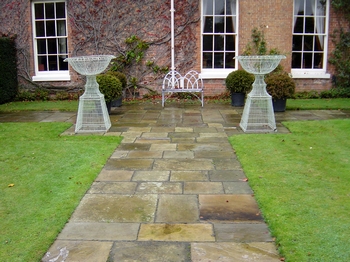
[172, 191]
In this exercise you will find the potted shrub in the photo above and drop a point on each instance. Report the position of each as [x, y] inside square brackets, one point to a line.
[111, 87]
[281, 87]
[239, 83]
[122, 78]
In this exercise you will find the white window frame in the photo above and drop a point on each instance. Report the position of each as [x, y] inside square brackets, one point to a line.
[54, 75]
[308, 72]
[219, 73]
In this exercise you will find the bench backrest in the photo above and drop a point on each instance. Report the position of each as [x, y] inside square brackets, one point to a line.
[191, 81]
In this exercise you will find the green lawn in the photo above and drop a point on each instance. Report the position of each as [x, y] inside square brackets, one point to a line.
[312, 104]
[302, 184]
[43, 177]
[292, 104]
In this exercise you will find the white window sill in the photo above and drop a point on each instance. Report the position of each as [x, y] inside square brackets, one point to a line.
[310, 74]
[215, 73]
[51, 76]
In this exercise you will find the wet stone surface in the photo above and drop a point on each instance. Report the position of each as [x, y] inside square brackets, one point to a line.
[173, 190]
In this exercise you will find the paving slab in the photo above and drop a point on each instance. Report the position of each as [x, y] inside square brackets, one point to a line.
[114, 175]
[87, 251]
[189, 176]
[159, 188]
[177, 209]
[142, 251]
[151, 176]
[100, 231]
[238, 208]
[203, 188]
[108, 187]
[183, 164]
[227, 175]
[242, 232]
[116, 208]
[176, 232]
[237, 252]
[129, 164]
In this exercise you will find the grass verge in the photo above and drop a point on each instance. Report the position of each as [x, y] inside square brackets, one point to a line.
[301, 182]
[43, 177]
[313, 104]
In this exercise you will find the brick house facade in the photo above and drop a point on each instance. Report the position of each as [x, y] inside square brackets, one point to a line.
[209, 33]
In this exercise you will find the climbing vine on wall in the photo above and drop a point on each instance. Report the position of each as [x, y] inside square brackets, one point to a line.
[136, 32]
[340, 56]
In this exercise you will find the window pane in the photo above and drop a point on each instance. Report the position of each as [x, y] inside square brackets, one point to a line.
[299, 25]
[230, 43]
[297, 42]
[62, 65]
[207, 60]
[42, 63]
[310, 7]
[308, 43]
[318, 60]
[60, 10]
[49, 11]
[307, 60]
[319, 43]
[230, 7]
[320, 22]
[41, 46]
[207, 43]
[51, 45]
[62, 45]
[219, 25]
[219, 43]
[61, 28]
[309, 25]
[50, 28]
[39, 11]
[218, 60]
[296, 60]
[40, 29]
[208, 7]
[219, 7]
[229, 25]
[229, 61]
[208, 25]
[53, 63]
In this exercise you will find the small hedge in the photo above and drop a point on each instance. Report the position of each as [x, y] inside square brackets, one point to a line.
[280, 85]
[8, 70]
[110, 86]
[239, 81]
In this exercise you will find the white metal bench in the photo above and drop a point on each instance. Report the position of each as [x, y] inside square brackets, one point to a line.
[190, 83]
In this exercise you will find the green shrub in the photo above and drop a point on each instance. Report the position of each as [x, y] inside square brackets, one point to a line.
[280, 85]
[110, 86]
[239, 81]
[121, 76]
[8, 70]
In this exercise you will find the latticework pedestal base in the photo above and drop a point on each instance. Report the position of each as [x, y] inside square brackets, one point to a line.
[258, 115]
[92, 115]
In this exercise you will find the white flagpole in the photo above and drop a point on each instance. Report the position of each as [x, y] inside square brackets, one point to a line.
[172, 10]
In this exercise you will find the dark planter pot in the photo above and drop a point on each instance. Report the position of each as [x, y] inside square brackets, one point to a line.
[237, 99]
[279, 105]
[117, 102]
[109, 107]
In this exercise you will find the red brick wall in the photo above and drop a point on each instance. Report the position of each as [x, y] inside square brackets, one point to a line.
[274, 17]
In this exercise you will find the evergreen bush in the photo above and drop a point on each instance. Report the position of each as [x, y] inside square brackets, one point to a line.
[239, 81]
[8, 70]
[280, 85]
[110, 86]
